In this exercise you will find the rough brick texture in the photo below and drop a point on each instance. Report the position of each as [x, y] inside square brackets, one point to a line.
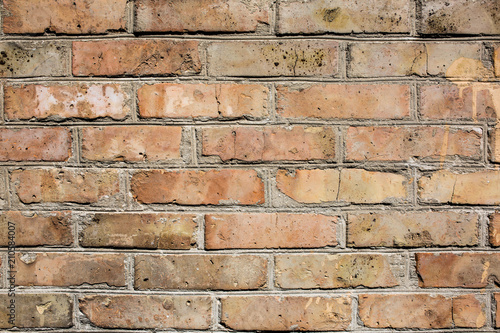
[250, 165]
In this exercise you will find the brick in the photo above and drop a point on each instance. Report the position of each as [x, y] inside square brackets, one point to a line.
[405, 311]
[187, 187]
[37, 228]
[343, 16]
[66, 185]
[350, 185]
[4, 192]
[201, 15]
[286, 313]
[494, 141]
[460, 17]
[213, 272]
[294, 143]
[497, 315]
[462, 270]
[131, 143]
[28, 59]
[172, 100]
[64, 16]
[387, 59]
[326, 271]
[275, 230]
[496, 56]
[406, 143]
[70, 269]
[494, 229]
[468, 311]
[344, 101]
[37, 311]
[138, 57]
[476, 101]
[273, 58]
[475, 188]
[148, 231]
[412, 229]
[148, 311]
[35, 144]
[59, 102]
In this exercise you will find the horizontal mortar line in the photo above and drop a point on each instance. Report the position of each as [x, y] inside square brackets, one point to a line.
[249, 123]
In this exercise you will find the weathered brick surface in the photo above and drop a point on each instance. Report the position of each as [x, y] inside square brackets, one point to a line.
[35, 144]
[147, 311]
[212, 187]
[273, 230]
[497, 60]
[136, 57]
[225, 272]
[64, 16]
[468, 311]
[70, 269]
[494, 154]
[171, 100]
[325, 271]
[279, 58]
[341, 16]
[286, 313]
[360, 101]
[494, 229]
[405, 143]
[270, 143]
[467, 270]
[131, 143]
[201, 15]
[37, 311]
[497, 315]
[144, 230]
[37, 229]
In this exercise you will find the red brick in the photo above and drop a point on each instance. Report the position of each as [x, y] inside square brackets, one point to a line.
[64, 16]
[326, 271]
[201, 15]
[468, 311]
[464, 270]
[35, 144]
[295, 143]
[494, 229]
[58, 102]
[187, 187]
[65, 185]
[358, 101]
[405, 311]
[273, 58]
[148, 311]
[286, 313]
[406, 143]
[460, 17]
[220, 272]
[275, 230]
[350, 185]
[340, 16]
[37, 229]
[38, 311]
[475, 188]
[412, 229]
[70, 269]
[172, 100]
[131, 143]
[149, 231]
[136, 57]
[476, 101]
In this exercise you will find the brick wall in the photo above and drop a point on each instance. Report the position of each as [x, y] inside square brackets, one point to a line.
[242, 165]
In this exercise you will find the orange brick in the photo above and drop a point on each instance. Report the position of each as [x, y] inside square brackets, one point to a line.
[357, 101]
[201, 15]
[131, 143]
[494, 151]
[64, 16]
[274, 143]
[497, 315]
[494, 229]
[136, 57]
[172, 100]
[497, 60]
[35, 144]
[186, 187]
[219, 272]
[275, 230]
[468, 311]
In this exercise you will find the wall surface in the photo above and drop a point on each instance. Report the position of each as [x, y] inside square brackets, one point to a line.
[244, 165]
